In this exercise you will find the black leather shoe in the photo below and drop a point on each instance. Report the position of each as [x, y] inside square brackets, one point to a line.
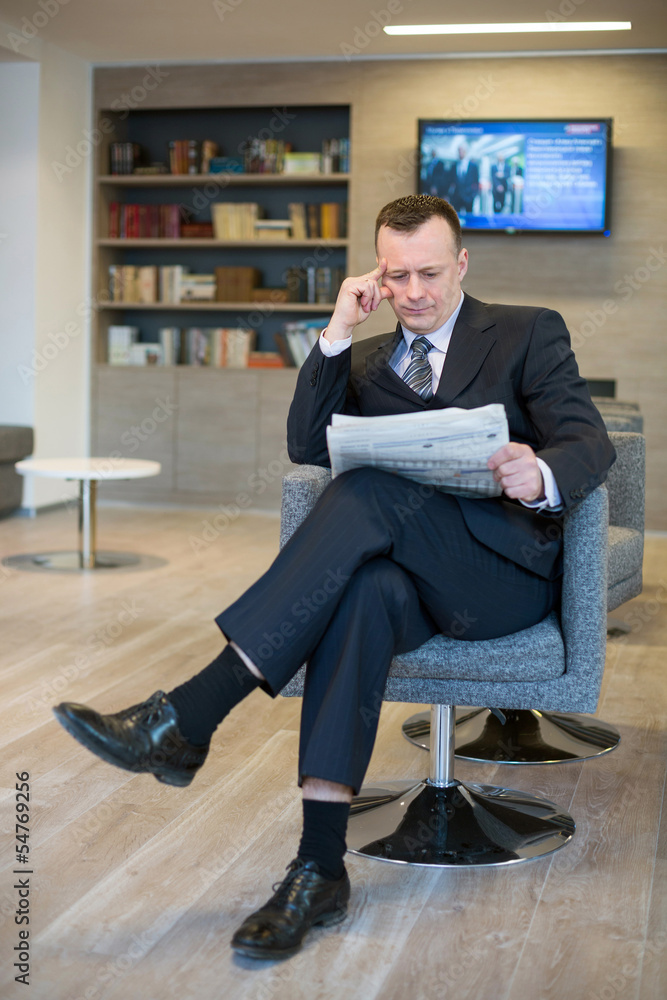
[303, 900]
[144, 737]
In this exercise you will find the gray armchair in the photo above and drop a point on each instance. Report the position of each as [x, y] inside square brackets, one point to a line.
[539, 736]
[557, 664]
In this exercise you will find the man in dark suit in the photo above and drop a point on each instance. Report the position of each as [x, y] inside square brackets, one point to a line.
[382, 564]
[464, 181]
[438, 176]
[499, 184]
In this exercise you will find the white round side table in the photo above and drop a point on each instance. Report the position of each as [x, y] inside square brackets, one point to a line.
[89, 472]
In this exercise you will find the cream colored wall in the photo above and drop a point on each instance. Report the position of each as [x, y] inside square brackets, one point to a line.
[19, 137]
[61, 414]
[52, 392]
[576, 275]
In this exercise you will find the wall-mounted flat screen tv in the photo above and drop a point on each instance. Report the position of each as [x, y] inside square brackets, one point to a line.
[543, 176]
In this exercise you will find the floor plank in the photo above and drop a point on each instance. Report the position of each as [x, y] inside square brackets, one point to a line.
[137, 887]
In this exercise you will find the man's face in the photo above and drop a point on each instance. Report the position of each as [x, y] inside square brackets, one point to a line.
[423, 273]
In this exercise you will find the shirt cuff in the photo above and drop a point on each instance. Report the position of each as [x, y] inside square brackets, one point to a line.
[552, 498]
[337, 347]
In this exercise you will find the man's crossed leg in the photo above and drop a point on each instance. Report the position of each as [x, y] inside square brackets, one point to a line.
[370, 573]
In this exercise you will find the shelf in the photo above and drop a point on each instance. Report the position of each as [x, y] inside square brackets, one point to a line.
[185, 243]
[104, 366]
[225, 179]
[306, 307]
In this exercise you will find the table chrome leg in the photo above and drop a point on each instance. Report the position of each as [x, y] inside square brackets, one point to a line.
[87, 523]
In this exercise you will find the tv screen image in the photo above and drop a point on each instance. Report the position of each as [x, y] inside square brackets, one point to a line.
[531, 176]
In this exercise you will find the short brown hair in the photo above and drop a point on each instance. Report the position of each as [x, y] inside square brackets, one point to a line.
[407, 214]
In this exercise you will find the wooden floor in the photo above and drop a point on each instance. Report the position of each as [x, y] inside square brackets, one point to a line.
[138, 887]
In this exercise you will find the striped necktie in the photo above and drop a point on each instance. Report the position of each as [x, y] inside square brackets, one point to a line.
[418, 374]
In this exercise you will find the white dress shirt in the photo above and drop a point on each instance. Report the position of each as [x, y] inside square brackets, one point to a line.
[440, 338]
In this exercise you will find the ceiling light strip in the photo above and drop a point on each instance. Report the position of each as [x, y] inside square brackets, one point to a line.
[499, 29]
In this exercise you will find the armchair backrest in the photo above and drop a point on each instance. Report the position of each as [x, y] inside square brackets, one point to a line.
[626, 480]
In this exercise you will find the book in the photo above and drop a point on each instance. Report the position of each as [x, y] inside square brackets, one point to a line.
[301, 163]
[269, 295]
[129, 291]
[238, 343]
[146, 284]
[273, 229]
[335, 156]
[133, 221]
[236, 284]
[323, 285]
[235, 220]
[197, 288]
[120, 339]
[124, 157]
[170, 277]
[197, 230]
[283, 349]
[145, 354]
[209, 150]
[265, 359]
[170, 342]
[295, 282]
[313, 221]
[151, 170]
[217, 347]
[297, 214]
[185, 155]
[197, 346]
[226, 165]
[265, 156]
[301, 336]
[313, 284]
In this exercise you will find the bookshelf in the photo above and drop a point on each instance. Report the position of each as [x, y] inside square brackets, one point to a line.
[224, 424]
[305, 128]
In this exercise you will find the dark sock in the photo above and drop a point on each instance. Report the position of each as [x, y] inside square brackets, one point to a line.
[202, 702]
[323, 837]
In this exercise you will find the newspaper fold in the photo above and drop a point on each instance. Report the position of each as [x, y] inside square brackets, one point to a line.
[447, 448]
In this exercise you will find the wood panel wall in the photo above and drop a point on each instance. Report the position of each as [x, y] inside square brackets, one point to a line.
[610, 291]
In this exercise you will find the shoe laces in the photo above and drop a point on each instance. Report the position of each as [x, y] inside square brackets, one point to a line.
[284, 888]
[146, 711]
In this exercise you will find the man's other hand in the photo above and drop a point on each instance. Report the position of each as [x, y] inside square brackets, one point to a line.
[357, 299]
[515, 467]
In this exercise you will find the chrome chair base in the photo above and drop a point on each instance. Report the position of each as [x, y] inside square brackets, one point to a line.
[526, 737]
[454, 825]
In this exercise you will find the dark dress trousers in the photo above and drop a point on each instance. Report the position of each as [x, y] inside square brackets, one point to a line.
[382, 563]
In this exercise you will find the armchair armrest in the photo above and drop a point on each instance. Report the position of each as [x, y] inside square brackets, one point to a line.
[302, 488]
[584, 593]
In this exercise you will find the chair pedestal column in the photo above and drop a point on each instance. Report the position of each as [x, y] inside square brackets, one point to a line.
[445, 823]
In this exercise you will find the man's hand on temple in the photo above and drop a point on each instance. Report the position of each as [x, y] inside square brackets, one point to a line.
[357, 298]
[515, 468]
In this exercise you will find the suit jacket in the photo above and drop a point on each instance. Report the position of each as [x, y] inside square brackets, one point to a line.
[464, 188]
[516, 355]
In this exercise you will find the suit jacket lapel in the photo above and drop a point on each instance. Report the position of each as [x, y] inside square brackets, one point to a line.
[379, 371]
[472, 339]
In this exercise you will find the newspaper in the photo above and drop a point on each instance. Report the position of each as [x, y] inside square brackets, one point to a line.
[447, 448]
